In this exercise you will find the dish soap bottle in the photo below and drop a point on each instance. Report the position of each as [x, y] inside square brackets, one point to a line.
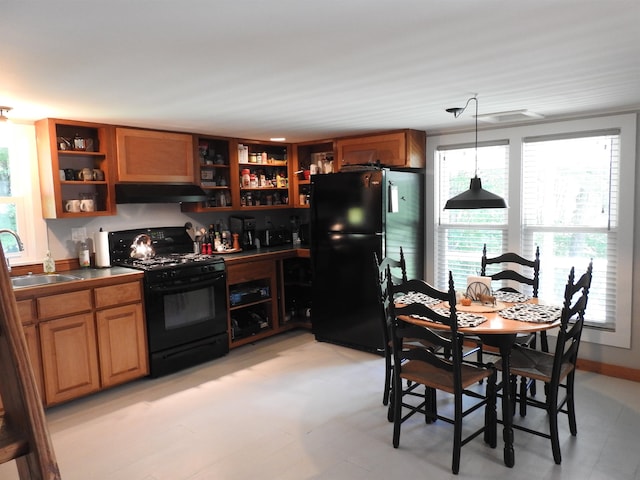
[83, 255]
[48, 265]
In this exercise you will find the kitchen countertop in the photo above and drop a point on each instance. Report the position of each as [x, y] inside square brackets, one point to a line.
[262, 253]
[91, 277]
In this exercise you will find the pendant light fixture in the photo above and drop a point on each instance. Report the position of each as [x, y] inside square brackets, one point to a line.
[476, 196]
[3, 117]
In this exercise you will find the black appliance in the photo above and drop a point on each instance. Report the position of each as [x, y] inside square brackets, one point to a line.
[245, 227]
[185, 296]
[158, 193]
[354, 214]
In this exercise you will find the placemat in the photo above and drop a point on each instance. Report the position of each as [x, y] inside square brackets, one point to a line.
[464, 319]
[477, 307]
[528, 312]
[511, 297]
[416, 297]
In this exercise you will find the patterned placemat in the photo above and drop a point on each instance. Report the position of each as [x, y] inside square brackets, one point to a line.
[511, 297]
[528, 312]
[416, 297]
[464, 319]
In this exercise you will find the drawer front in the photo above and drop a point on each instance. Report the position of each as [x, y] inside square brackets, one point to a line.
[129, 292]
[64, 304]
[26, 311]
[246, 272]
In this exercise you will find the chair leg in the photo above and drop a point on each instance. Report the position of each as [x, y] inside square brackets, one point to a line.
[457, 436]
[397, 411]
[388, 372]
[552, 401]
[523, 396]
[431, 407]
[513, 385]
[571, 407]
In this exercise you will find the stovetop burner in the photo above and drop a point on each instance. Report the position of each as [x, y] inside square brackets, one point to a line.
[174, 260]
[173, 249]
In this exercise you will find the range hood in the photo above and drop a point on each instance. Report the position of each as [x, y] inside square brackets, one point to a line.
[158, 193]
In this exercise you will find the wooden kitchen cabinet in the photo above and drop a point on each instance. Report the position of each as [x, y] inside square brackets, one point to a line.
[152, 156]
[252, 290]
[27, 317]
[316, 155]
[400, 149]
[59, 164]
[85, 338]
[268, 173]
[122, 345]
[69, 357]
[213, 159]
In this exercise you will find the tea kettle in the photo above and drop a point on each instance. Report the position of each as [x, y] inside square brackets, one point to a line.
[142, 248]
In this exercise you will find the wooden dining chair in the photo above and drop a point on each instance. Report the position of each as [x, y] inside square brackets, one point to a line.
[397, 271]
[502, 269]
[425, 367]
[557, 369]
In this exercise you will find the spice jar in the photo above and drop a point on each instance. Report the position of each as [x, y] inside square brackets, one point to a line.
[246, 178]
[253, 180]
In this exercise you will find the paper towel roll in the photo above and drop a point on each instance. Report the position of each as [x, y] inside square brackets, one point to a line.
[101, 245]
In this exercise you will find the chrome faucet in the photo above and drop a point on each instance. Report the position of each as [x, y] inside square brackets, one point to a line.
[19, 242]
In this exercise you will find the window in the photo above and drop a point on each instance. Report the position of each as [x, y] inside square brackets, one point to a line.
[462, 233]
[570, 190]
[20, 209]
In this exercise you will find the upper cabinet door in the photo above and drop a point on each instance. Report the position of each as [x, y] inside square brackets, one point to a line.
[154, 156]
[405, 148]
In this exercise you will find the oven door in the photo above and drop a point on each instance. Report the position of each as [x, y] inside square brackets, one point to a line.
[185, 310]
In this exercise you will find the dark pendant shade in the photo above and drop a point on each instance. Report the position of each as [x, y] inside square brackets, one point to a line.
[475, 197]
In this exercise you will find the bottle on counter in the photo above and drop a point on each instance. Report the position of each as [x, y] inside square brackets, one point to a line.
[48, 265]
[83, 255]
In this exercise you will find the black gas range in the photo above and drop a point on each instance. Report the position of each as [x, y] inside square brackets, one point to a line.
[185, 296]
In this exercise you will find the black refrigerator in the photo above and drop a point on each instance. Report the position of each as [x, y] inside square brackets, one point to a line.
[354, 214]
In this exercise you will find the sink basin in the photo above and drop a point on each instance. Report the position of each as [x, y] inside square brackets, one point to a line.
[41, 279]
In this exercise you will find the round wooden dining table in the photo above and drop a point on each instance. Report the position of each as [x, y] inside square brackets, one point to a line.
[500, 333]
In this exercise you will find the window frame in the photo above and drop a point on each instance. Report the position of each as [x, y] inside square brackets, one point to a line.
[25, 180]
[627, 124]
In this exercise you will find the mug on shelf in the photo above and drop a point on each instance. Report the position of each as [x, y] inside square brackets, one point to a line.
[98, 175]
[86, 174]
[69, 174]
[72, 206]
[87, 205]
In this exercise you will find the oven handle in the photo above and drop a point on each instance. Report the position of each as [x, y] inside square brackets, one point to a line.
[187, 286]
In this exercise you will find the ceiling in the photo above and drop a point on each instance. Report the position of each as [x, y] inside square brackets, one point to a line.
[308, 70]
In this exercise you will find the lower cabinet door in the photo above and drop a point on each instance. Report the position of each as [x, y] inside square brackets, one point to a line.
[122, 344]
[69, 358]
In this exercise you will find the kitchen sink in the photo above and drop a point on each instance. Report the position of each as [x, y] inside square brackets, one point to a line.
[41, 279]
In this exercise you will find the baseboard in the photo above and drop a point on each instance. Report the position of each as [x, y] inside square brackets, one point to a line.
[617, 371]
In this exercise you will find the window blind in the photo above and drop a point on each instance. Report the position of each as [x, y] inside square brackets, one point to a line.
[461, 234]
[570, 188]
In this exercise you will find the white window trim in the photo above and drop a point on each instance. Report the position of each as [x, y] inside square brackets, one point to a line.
[627, 123]
[32, 227]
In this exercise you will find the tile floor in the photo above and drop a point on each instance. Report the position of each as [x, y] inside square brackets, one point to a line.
[290, 408]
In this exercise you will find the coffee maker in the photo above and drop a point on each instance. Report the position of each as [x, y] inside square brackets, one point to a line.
[245, 227]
